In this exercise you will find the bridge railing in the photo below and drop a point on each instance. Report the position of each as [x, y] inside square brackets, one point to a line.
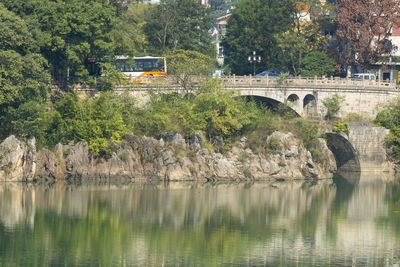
[169, 83]
[305, 81]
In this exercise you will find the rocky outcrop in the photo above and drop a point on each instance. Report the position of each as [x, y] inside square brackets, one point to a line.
[169, 157]
[17, 159]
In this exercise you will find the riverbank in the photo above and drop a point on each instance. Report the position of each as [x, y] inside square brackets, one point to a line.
[169, 157]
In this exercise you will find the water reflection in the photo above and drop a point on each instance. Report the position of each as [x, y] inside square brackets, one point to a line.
[348, 221]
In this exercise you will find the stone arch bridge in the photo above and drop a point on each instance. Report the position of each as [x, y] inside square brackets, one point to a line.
[362, 149]
[305, 95]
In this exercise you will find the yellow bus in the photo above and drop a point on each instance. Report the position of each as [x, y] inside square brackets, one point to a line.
[141, 68]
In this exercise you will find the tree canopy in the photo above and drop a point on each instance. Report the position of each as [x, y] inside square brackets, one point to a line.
[23, 73]
[179, 24]
[363, 30]
[253, 26]
[68, 32]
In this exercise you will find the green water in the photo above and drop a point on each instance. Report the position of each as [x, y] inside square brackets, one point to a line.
[348, 221]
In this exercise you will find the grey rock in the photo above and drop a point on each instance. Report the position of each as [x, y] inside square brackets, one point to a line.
[163, 159]
[195, 142]
[47, 166]
[17, 159]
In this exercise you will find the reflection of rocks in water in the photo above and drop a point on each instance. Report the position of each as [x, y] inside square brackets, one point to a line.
[176, 203]
[282, 222]
[17, 204]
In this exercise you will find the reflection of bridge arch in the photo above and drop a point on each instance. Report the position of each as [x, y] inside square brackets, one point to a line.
[347, 158]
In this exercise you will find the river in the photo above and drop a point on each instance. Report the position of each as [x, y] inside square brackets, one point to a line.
[347, 221]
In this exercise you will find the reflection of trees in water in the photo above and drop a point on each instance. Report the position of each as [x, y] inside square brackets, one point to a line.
[148, 224]
[223, 221]
[392, 198]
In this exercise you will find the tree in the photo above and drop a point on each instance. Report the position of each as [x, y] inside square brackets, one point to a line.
[179, 24]
[23, 74]
[129, 37]
[68, 32]
[186, 65]
[14, 34]
[98, 121]
[220, 7]
[253, 26]
[317, 63]
[389, 117]
[305, 36]
[364, 28]
[224, 115]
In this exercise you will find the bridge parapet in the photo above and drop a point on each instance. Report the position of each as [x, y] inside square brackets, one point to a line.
[308, 82]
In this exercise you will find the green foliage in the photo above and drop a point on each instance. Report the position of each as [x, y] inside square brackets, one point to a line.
[307, 132]
[333, 104]
[111, 77]
[68, 32]
[281, 79]
[302, 39]
[263, 126]
[14, 33]
[98, 121]
[128, 34]
[179, 24]
[357, 117]
[389, 117]
[32, 119]
[209, 110]
[317, 63]
[253, 26]
[341, 127]
[285, 111]
[224, 115]
[316, 154]
[23, 78]
[273, 145]
[186, 65]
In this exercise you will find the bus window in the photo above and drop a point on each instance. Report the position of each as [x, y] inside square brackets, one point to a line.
[143, 66]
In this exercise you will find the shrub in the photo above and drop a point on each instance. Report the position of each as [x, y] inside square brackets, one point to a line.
[341, 127]
[333, 104]
[273, 145]
[389, 117]
[285, 111]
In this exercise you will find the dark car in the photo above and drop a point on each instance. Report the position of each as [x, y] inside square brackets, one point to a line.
[270, 73]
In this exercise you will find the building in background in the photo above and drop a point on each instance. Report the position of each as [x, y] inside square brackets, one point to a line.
[218, 34]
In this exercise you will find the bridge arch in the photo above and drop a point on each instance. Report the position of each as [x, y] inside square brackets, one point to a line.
[347, 158]
[270, 103]
[293, 98]
[309, 105]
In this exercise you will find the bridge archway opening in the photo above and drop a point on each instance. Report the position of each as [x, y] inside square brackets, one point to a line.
[346, 156]
[293, 98]
[271, 104]
[309, 105]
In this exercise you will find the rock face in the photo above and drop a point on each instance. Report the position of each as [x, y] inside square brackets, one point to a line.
[169, 157]
[17, 159]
